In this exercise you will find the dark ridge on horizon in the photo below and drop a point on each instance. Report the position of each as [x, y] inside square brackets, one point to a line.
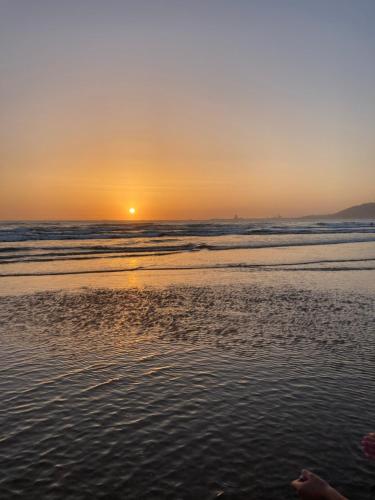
[363, 211]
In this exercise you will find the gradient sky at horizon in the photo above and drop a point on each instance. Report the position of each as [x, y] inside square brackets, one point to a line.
[185, 109]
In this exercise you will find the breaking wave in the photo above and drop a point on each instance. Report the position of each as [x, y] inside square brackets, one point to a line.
[27, 231]
[27, 243]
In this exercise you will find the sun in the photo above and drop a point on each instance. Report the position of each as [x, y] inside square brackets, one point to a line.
[131, 210]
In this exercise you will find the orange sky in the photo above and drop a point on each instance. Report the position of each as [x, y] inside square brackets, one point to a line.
[185, 114]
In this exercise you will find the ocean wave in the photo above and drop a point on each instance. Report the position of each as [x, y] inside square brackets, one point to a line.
[13, 255]
[26, 231]
[312, 265]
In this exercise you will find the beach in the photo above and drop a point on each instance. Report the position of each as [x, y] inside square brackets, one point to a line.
[187, 250]
[174, 364]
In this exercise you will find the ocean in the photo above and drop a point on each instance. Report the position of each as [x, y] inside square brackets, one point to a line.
[181, 360]
[79, 248]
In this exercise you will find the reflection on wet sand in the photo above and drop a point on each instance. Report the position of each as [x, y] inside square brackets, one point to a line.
[188, 392]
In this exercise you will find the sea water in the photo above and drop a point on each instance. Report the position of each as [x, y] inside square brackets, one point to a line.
[185, 360]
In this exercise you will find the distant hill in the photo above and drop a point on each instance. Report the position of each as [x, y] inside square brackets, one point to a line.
[364, 211]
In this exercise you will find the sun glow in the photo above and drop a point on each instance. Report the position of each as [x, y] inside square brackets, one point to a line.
[131, 210]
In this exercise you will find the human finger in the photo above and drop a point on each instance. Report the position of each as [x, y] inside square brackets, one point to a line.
[304, 476]
[297, 484]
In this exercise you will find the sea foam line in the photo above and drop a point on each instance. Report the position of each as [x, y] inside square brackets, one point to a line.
[254, 267]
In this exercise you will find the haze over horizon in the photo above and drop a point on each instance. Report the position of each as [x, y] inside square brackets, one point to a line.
[189, 110]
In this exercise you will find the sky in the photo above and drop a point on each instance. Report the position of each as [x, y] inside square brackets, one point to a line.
[185, 109]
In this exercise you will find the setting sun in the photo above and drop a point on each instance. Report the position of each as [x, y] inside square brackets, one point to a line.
[132, 211]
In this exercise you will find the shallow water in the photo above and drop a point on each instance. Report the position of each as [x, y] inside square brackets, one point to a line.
[29, 248]
[185, 360]
[185, 391]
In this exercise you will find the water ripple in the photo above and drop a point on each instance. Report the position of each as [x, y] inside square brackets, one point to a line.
[184, 392]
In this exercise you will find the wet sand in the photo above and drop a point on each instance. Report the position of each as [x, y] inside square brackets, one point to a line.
[185, 391]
